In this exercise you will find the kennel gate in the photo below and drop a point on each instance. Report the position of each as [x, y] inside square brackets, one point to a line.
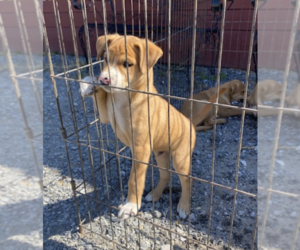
[27, 73]
[166, 36]
[108, 148]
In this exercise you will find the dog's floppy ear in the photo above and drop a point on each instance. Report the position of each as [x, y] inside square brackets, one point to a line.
[154, 53]
[231, 89]
[100, 44]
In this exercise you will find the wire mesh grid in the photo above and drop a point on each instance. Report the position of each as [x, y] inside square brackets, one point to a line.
[192, 38]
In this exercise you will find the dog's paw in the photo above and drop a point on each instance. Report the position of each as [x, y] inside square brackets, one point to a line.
[127, 210]
[183, 209]
[86, 89]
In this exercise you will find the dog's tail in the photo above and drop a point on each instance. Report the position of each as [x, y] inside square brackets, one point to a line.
[202, 114]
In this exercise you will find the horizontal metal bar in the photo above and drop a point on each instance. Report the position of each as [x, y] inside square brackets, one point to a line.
[162, 95]
[82, 128]
[168, 170]
[102, 166]
[27, 77]
[279, 192]
[30, 72]
[76, 69]
[278, 108]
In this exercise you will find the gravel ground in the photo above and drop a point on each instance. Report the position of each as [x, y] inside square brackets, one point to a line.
[60, 219]
[20, 193]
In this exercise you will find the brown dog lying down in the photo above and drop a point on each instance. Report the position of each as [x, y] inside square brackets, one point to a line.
[114, 108]
[233, 91]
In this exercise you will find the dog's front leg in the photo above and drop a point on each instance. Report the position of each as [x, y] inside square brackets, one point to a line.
[101, 102]
[136, 182]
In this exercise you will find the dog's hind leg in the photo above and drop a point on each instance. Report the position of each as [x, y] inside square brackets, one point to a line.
[162, 160]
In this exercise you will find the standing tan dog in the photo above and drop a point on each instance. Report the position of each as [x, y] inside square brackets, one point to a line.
[114, 108]
[229, 92]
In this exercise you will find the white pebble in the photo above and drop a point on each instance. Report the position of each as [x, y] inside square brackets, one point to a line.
[243, 162]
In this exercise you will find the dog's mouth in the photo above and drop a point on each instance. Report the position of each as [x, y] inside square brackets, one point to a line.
[238, 102]
[104, 83]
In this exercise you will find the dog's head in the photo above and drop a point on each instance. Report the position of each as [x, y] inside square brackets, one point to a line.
[236, 90]
[123, 72]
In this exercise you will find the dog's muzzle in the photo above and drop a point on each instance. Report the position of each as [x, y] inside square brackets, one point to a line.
[104, 80]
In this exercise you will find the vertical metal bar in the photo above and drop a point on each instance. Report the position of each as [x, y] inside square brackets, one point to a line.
[95, 17]
[116, 19]
[82, 101]
[296, 234]
[191, 106]
[279, 119]
[62, 129]
[243, 117]
[87, 37]
[38, 8]
[169, 130]
[19, 98]
[254, 234]
[113, 106]
[28, 55]
[116, 138]
[216, 110]
[151, 21]
[130, 112]
[148, 108]
[157, 20]
[70, 97]
[139, 14]
[132, 17]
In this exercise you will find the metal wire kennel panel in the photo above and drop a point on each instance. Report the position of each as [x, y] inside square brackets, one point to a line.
[278, 140]
[25, 69]
[223, 210]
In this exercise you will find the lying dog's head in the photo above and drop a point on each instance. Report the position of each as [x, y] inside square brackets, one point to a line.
[116, 66]
[236, 90]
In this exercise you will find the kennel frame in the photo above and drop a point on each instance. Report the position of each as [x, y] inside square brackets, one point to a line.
[30, 75]
[64, 76]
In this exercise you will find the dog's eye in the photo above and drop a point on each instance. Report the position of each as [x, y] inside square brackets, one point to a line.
[105, 59]
[126, 64]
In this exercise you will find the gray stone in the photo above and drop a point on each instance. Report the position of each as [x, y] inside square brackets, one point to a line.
[157, 214]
